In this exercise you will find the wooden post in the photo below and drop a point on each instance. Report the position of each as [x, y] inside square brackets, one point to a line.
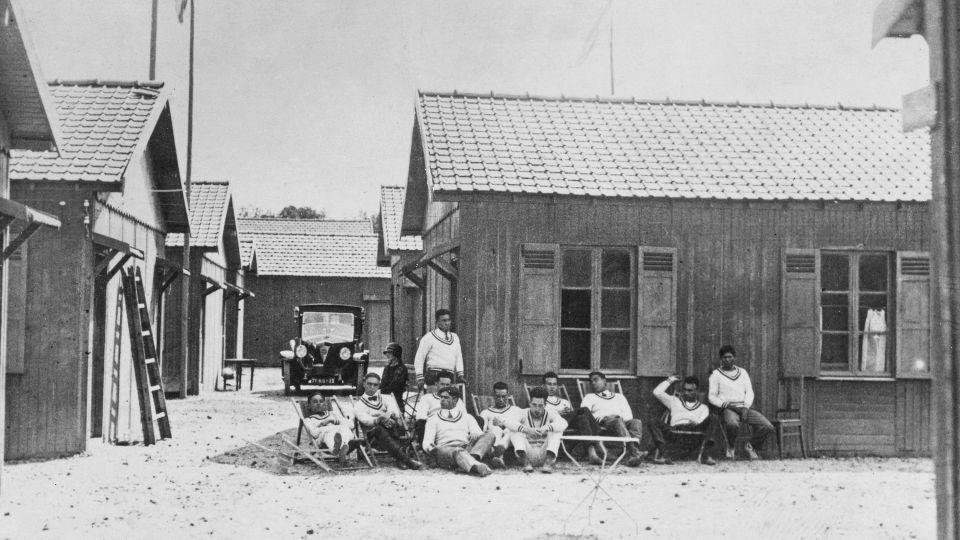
[185, 296]
[942, 22]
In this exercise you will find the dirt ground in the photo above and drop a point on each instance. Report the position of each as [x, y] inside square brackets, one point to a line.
[208, 482]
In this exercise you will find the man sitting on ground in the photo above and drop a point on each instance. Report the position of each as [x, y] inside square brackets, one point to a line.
[380, 418]
[429, 403]
[614, 417]
[732, 392]
[454, 437]
[686, 411]
[536, 438]
[495, 417]
[328, 427]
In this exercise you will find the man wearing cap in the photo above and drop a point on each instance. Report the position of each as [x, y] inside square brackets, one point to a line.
[394, 381]
[439, 350]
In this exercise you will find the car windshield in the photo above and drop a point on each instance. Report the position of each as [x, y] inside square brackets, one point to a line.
[320, 326]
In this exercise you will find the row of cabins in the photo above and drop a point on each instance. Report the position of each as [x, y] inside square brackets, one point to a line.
[90, 185]
[637, 237]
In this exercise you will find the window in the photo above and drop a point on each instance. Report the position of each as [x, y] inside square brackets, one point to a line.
[596, 308]
[855, 292]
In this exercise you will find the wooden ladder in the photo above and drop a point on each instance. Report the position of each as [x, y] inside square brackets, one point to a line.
[145, 365]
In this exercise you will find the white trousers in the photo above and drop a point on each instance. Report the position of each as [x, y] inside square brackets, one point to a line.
[536, 448]
[329, 432]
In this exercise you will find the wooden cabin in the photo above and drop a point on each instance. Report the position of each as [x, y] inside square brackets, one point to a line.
[27, 121]
[302, 261]
[217, 293]
[115, 186]
[637, 237]
[398, 252]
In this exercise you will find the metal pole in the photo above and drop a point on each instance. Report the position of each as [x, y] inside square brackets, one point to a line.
[611, 50]
[153, 40]
[185, 286]
[943, 25]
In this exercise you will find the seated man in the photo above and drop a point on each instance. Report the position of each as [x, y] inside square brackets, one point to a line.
[380, 420]
[495, 417]
[732, 392]
[686, 411]
[430, 402]
[536, 438]
[328, 427]
[454, 437]
[614, 417]
[580, 420]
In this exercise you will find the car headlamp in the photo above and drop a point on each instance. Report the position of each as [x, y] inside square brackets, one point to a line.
[301, 350]
[345, 353]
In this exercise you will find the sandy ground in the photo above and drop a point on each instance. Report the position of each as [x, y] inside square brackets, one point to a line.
[207, 482]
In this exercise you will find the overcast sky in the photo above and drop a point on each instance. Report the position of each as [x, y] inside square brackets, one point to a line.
[310, 102]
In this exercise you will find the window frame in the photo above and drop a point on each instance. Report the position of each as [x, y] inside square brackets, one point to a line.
[853, 293]
[596, 289]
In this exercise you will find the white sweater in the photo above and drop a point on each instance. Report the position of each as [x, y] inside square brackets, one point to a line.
[681, 412]
[607, 403]
[557, 404]
[430, 403]
[509, 415]
[449, 428]
[728, 387]
[370, 408]
[551, 420]
[438, 350]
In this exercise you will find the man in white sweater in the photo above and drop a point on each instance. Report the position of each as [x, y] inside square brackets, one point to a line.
[328, 427]
[379, 416]
[536, 433]
[454, 437]
[686, 411]
[502, 413]
[429, 403]
[614, 416]
[732, 392]
[439, 350]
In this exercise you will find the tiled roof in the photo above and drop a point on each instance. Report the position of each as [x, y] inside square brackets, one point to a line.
[246, 252]
[317, 255]
[628, 148]
[208, 208]
[101, 122]
[358, 227]
[391, 213]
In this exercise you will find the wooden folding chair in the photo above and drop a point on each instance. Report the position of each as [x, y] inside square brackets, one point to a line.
[685, 431]
[788, 420]
[371, 453]
[317, 454]
[583, 386]
[345, 405]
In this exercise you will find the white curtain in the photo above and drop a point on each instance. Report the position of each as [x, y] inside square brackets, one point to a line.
[873, 352]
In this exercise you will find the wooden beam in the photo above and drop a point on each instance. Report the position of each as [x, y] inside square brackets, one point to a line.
[19, 240]
[420, 282]
[444, 268]
[116, 245]
[168, 281]
[119, 265]
[429, 254]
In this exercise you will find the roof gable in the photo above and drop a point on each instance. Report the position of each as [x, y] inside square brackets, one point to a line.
[316, 255]
[485, 144]
[25, 100]
[391, 215]
[334, 227]
[209, 202]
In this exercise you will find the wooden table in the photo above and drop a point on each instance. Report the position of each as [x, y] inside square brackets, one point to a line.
[238, 364]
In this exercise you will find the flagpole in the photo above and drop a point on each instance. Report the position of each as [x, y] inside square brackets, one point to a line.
[153, 40]
[611, 53]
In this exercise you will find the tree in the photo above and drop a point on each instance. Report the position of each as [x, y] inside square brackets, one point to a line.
[302, 212]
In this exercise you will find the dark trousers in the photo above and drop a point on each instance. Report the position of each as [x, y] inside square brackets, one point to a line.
[659, 430]
[418, 428]
[760, 427]
[583, 423]
[387, 440]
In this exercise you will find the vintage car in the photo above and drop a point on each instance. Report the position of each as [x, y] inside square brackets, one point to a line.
[327, 351]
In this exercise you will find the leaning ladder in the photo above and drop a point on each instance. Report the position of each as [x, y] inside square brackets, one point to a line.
[145, 366]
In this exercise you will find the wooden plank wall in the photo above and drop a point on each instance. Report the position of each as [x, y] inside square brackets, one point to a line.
[268, 318]
[729, 273]
[46, 405]
[440, 291]
[210, 362]
[408, 309]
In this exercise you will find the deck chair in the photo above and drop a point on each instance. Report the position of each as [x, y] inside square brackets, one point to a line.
[315, 453]
[345, 405]
[482, 402]
[682, 431]
[583, 386]
[371, 453]
[563, 391]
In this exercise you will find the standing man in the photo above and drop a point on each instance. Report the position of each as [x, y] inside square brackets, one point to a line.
[732, 392]
[454, 437]
[439, 350]
[501, 414]
[536, 437]
[381, 422]
[687, 411]
[394, 381]
[613, 415]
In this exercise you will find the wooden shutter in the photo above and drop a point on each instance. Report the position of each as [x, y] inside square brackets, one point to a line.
[657, 312]
[913, 320]
[800, 313]
[538, 338]
[16, 310]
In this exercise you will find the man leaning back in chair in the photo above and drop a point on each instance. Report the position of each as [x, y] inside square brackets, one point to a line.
[381, 421]
[328, 427]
